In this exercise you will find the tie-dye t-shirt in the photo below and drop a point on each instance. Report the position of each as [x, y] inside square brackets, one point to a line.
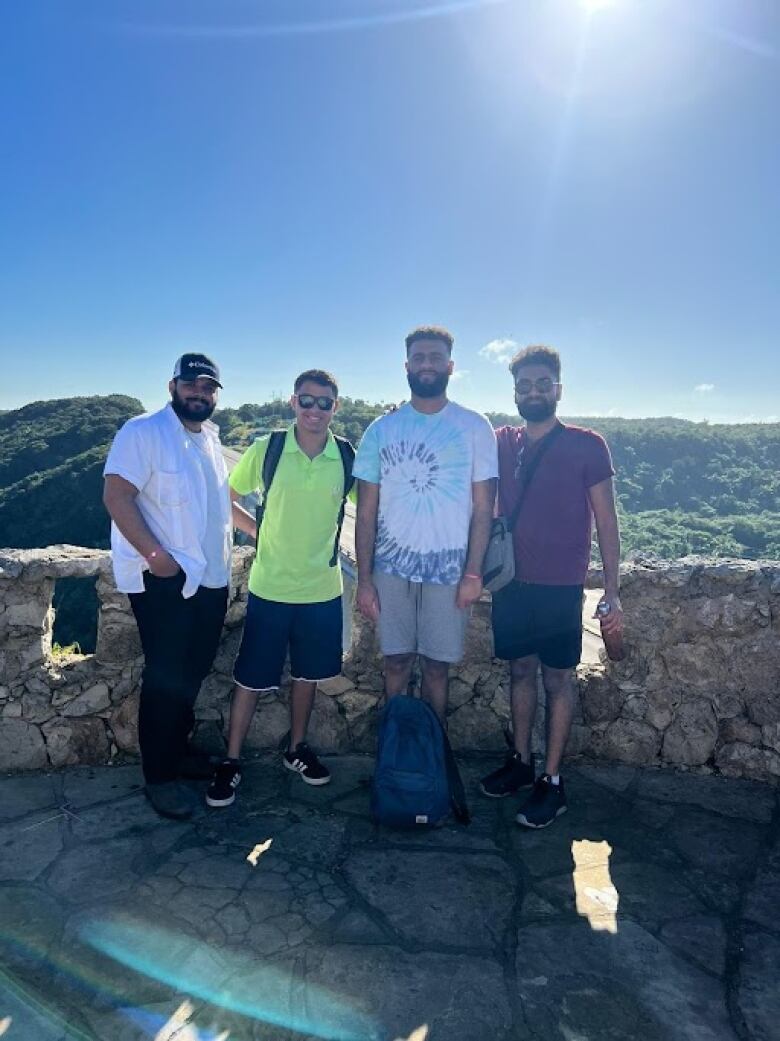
[425, 466]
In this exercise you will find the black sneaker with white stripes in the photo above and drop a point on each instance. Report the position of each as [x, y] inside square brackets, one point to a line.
[302, 760]
[222, 790]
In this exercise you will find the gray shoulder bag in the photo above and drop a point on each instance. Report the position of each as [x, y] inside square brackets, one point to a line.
[498, 568]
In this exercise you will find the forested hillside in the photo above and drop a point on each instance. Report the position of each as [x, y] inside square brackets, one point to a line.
[51, 460]
[45, 434]
[682, 487]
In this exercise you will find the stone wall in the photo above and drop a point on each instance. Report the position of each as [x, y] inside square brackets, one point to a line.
[700, 687]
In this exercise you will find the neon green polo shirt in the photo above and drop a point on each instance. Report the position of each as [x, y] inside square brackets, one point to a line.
[292, 562]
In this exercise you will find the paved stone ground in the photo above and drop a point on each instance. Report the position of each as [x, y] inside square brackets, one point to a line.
[650, 911]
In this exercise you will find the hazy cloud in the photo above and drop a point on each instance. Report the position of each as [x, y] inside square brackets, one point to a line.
[459, 374]
[704, 388]
[499, 351]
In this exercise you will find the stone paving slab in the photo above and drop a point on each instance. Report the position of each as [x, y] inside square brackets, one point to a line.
[648, 911]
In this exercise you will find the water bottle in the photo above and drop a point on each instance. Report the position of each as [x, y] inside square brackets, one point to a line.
[613, 642]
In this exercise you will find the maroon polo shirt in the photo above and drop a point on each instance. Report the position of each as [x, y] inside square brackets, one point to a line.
[553, 533]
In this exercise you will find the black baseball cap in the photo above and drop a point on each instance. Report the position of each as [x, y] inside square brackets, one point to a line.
[193, 366]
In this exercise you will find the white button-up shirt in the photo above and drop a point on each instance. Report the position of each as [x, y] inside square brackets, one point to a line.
[154, 453]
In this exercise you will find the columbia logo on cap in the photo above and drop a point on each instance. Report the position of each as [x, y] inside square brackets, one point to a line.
[194, 366]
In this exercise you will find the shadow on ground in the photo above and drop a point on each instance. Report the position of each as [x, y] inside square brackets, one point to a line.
[648, 912]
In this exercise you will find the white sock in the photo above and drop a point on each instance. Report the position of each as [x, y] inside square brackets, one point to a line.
[555, 778]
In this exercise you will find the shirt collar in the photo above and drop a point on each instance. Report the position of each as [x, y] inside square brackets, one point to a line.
[330, 451]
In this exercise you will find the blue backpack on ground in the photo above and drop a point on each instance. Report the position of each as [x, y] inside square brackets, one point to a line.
[416, 780]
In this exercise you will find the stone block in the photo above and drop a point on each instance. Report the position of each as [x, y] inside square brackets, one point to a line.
[94, 699]
[770, 736]
[728, 613]
[327, 727]
[475, 727]
[741, 729]
[270, 723]
[227, 653]
[601, 699]
[124, 724]
[21, 746]
[34, 653]
[73, 741]
[118, 639]
[13, 710]
[763, 704]
[696, 665]
[690, 738]
[579, 741]
[30, 615]
[629, 741]
[214, 698]
[336, 686]
[741, 760]
[460, 692]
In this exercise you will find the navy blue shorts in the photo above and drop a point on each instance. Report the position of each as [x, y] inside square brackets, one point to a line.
[310, 632]
[543, 620]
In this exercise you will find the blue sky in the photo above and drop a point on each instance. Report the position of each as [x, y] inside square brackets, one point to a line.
[288, 183]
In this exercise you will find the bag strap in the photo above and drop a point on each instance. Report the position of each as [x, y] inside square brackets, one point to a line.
[347, 453]
[530, 471]
[273, 453]
[457, 792]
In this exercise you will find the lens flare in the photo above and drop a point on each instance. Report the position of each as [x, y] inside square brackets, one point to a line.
[246, 986]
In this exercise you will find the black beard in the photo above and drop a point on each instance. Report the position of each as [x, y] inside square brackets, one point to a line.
[537, 411]
[429, 388]
[194, 413]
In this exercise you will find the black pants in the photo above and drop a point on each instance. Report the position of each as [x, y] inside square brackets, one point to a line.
[180, 639]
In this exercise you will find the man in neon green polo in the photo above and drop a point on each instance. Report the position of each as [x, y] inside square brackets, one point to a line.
[295, 583]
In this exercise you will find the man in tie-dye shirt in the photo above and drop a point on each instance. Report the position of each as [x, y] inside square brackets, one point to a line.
[427, 476]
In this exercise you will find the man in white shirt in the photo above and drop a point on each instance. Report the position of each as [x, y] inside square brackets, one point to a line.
[166, 489]
[427, 479]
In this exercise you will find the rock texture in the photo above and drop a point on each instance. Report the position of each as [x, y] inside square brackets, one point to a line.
[700, 686]
[647, 912]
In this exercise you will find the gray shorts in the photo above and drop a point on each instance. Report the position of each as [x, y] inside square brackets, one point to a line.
[420, 617]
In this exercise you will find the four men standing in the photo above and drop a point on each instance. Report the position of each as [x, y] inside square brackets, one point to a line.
[427, 485]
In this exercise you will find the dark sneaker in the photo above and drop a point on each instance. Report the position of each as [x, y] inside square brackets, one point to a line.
[302, 760]
[222, 790]
[546, 802]
[170, 799]
[513, 776]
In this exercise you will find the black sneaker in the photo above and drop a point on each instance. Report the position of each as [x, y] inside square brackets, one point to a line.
[546, 802]
[222, 790]
[302, 760]
[513, 776]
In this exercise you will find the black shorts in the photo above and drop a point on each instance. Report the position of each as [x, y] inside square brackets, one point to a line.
[311, 633]
[543, 620]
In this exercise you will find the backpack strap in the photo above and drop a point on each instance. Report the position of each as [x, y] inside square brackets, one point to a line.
[460, 807]
[347, 453]
[273, 453]
[545, 443]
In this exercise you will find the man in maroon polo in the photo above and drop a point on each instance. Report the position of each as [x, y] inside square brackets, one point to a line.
[537, 618]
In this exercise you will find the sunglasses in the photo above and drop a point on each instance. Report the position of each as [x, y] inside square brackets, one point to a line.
[543, 385]
[323, 403]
